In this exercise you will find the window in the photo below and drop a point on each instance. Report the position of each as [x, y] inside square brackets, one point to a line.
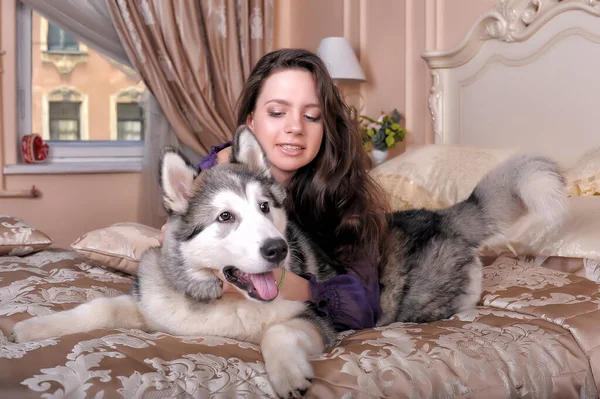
[60, 41]
[64, 120]
[126, 115]
[64, 115]
[66, 93]
[130, 121]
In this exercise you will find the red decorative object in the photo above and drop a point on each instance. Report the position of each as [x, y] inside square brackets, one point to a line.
[33, 148]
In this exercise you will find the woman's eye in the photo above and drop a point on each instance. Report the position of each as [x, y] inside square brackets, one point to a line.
[275, 114]
[264, 206]
[225, 216]
[313, 118]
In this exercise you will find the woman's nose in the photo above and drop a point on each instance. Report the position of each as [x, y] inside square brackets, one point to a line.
[293, 124]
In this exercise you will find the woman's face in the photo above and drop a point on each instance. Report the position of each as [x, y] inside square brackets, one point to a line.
[287, 121]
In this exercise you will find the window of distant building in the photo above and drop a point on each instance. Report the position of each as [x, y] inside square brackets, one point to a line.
[65, 115]
[130, 121]
[58, 47]
[127, 115]
[60, 41]
[64, 120]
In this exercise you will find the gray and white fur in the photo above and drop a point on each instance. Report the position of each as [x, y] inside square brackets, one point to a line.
[229, 221]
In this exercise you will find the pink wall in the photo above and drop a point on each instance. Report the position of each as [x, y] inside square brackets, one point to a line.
[389, 37]
[457, 16]
[72, 205]
[303, 23]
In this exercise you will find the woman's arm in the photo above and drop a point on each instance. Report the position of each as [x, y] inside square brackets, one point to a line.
[347, 301]
[350, 301]
[294, 287]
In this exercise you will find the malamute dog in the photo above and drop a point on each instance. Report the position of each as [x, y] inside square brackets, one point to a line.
[230, 219]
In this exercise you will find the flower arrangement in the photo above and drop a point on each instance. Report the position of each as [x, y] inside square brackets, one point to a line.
[383, 133]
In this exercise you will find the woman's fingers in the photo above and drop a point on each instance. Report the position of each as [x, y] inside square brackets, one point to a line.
[161, 236]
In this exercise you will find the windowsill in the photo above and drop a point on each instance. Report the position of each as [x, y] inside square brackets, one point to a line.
[66, 52]
[73, 168]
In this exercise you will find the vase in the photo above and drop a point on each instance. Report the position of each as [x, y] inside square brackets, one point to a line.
[378, 155]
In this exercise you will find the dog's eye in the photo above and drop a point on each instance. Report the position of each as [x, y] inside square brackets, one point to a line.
[264, 206]
[225, 216]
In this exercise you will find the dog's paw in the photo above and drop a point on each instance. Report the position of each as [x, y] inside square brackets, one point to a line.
[29, 330]
[287, 348]
[21, 332]
[12, 337]
[290, 373]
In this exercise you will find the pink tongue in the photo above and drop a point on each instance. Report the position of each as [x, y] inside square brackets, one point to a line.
[264, 284]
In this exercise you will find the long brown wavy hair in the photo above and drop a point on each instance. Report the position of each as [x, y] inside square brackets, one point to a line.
[333, 198]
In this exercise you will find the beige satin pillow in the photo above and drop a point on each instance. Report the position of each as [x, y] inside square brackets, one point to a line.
[584, 177]
[435, 176]
[18, 238]
[118, 246]
[403, 194]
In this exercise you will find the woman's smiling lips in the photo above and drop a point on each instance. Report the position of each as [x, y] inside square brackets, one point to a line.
[291, 149]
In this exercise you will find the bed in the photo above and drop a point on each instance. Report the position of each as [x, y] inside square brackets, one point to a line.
[533, 335]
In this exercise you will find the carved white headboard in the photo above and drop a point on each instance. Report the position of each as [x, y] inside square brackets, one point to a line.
[527, 75]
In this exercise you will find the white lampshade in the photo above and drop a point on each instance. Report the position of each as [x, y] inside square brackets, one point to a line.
[340, 59]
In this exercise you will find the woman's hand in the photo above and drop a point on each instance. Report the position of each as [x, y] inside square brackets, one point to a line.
[161, 236]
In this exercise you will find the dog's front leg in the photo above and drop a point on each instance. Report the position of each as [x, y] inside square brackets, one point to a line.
[286, 348]
[117, 312]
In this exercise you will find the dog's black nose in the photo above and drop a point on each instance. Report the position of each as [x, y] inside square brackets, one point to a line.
[274, 250]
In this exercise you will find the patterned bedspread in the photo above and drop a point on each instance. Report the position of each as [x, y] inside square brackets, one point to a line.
[536, 335]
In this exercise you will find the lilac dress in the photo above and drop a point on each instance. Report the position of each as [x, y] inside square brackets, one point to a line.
[350, 301]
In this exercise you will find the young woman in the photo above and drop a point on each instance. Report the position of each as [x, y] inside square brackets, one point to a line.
[293, 107]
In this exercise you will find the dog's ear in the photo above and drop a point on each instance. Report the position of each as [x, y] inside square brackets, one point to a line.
[176, 177]
[247, 150]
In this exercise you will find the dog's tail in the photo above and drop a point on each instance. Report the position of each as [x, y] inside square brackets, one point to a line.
[524, 184]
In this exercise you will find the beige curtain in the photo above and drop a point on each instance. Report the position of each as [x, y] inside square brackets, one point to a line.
[194, 56]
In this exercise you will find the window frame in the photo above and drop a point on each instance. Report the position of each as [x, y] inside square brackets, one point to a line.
[100, 152]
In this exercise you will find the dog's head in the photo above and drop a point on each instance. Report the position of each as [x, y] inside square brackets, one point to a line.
[229, 218]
